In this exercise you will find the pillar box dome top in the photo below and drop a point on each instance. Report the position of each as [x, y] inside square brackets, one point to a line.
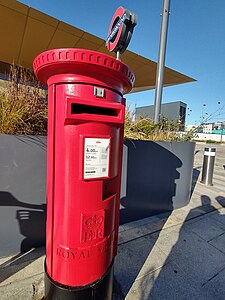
[83, 66]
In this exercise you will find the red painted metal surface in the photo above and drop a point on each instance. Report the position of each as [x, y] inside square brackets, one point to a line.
[83, 212]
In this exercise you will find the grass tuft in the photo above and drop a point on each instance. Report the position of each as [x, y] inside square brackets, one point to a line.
[23, 105]
[145, 129]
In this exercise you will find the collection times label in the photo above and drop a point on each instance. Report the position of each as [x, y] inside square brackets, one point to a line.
[96, 158]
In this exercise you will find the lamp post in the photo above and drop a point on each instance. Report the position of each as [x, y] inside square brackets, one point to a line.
[161, 60]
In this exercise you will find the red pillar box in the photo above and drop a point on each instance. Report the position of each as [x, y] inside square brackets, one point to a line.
[85, 142]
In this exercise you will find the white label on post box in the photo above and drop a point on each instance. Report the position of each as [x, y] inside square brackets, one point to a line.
[96, 158]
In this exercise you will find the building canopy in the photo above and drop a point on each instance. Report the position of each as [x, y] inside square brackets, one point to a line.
[28, 32]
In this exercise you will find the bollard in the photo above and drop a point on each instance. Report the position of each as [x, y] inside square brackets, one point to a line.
[208, 166]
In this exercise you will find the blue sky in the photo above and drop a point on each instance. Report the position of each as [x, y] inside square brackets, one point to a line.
[195, 45]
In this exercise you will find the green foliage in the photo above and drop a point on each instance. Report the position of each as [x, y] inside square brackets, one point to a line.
[23, 105]
[212, 142]
[145, 129]
[187, 136]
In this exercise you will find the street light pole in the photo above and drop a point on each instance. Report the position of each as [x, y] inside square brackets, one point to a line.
[161, 60]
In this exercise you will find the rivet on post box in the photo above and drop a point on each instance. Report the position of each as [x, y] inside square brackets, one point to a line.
[85, 142]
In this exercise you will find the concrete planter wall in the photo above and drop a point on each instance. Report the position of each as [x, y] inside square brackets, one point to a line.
[158, 177]
[22, 193]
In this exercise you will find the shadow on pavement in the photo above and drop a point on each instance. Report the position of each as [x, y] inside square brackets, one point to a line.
[195, 259]
[18, 262]
[131, 257]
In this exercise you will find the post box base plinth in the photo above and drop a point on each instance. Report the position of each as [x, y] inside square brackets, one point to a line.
[98, 290]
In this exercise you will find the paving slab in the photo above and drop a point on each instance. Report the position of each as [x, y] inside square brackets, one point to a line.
[136, 259]
[220, 216]
[209, 190]
[26, 271]
[219, 243]
[141, 230]
[214, 288]
[23, 290]
[167, 283]
[197, 258]
[138, 223]
[21, 276]
[207, 228]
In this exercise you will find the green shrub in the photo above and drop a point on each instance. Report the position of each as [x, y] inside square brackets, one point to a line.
[23, 105]
[212, 142]
[145, 129]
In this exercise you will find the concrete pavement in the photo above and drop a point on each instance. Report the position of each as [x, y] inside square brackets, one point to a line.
[175, 255]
